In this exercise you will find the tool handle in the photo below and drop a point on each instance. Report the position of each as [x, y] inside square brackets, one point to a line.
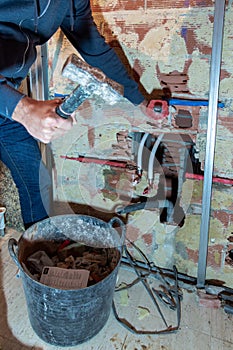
[72, 102]
[62, 114]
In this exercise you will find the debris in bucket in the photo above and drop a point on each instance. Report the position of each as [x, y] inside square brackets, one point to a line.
[69, 255]
[38, 260]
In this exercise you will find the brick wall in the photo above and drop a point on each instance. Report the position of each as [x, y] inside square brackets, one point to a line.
[164, 44]
[168, 45]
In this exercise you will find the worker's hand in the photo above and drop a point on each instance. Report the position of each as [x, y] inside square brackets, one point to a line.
[41, 120]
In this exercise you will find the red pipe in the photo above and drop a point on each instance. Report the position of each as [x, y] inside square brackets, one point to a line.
[124, 165]
[214, 179]
[97, 161]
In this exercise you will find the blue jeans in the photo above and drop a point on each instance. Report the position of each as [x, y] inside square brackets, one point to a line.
[19, 151]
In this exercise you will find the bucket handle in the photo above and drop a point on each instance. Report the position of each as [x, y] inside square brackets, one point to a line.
[13, 250]
[114, 220]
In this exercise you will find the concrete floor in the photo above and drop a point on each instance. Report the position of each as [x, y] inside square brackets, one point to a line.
[201, 328]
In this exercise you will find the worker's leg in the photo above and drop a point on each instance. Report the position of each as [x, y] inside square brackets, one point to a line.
[21, 154]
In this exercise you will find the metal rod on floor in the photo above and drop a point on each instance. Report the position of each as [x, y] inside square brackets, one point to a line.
[211, 138]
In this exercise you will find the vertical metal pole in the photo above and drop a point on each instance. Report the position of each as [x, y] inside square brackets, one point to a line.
[211, 138]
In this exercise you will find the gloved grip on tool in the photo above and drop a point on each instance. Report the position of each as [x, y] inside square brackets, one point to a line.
[72, 102]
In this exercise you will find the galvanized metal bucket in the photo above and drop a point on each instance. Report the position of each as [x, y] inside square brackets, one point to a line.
[68, 317]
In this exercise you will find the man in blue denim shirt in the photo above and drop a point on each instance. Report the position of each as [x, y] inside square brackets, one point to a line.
[25, 24]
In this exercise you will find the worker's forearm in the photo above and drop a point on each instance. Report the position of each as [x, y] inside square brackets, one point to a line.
[23, 110]
[9, 98]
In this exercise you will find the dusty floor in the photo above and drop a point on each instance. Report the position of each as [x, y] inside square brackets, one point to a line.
[200, 328]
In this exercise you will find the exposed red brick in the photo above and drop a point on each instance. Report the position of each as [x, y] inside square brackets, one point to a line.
[139, 68]
[211, 18]
[149, 4]
[91, 137]
[227, 122]
[148, 238]
[211, 260]
[119, 5]
[132, 233]
[212, 250]
[192, 254]
[222, 216]
[169, 4]
[183, 118]
[224, 74]
[195, 114]
[208, 300]
[175, 81]
[189, 38]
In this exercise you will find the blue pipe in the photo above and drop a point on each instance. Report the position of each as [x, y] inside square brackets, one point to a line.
[181, 102]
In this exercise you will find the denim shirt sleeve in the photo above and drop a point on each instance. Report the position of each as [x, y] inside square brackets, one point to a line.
[9, 98]
[86, 38]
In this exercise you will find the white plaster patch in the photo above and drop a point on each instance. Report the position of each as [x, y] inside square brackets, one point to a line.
[225, 89]
[198, 75]
[156, 44]
[144, 220]
[177, 56]
[129, 39]
[227, 42]
[204, 29]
